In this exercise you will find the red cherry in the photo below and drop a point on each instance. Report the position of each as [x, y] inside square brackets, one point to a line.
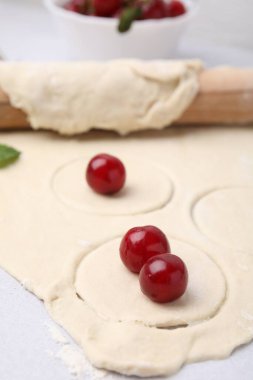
[164, 278]
[154, 10]
[71, 7]
[141, 243]
[106, 8]
[78, 6]
[118, 13]
[175, 8]
[105, 174]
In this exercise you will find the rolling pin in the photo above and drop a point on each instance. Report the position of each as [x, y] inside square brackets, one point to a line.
[225, 96]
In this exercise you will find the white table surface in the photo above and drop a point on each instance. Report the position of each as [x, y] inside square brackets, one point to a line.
[27, 349]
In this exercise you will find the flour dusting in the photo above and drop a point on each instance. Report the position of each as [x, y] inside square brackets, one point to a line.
[73, 357]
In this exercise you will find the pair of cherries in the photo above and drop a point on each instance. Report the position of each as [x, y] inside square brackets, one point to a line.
[144, 250]
[163, 276]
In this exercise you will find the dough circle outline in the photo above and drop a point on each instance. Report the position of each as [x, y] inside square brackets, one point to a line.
[231, 203]
[148, 188]
[132, 305]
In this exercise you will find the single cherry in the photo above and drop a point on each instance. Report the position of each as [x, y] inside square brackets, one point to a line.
[141, 243]
[154, 10]
[164, 278]
[106, 8]
[175, 8]
[105, 174]
[78, 6]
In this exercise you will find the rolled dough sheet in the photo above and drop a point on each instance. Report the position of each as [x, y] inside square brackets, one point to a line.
[124, 95]
[62, 240]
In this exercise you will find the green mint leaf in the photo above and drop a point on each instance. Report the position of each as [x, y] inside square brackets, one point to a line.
[8, 155]
[127, 17]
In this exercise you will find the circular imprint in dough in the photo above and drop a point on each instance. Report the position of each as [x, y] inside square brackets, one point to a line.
[113, 292]
[147, 188]
[226, 217]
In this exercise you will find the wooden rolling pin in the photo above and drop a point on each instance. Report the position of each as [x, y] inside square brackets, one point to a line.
[225, 97]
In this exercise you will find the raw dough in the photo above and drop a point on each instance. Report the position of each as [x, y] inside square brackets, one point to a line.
[226, 214]
[50, 245]
[124, 96]
[122, 299]
[71, 188]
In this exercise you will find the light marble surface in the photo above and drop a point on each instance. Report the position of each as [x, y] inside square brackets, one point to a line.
[222, 34]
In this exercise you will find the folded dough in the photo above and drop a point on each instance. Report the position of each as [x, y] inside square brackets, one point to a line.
[124, 95]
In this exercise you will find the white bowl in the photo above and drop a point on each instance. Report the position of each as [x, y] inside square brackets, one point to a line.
[90, 37]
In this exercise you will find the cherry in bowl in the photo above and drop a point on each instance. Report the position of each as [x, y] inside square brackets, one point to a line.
[154, 9]
[175, 8]
[164, 278]
[105, 174]
[106, 8]
[140, 244]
